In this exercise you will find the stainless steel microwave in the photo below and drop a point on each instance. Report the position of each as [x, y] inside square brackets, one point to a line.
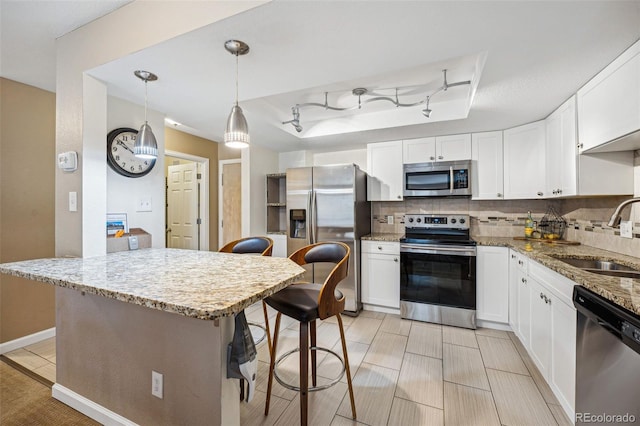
[437, 179]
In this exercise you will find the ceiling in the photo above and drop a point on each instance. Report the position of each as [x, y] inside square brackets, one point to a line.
[524, 59]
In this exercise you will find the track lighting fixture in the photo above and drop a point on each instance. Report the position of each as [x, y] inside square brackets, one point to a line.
[365, 96]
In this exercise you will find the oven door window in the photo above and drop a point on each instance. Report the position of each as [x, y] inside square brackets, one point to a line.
[437, 279]
[428, 181]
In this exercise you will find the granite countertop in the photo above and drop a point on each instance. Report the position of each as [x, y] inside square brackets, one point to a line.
[382, 236]
[624, 292]
[198, 284]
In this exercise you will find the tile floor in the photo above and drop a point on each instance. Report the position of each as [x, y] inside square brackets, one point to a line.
[404, 373]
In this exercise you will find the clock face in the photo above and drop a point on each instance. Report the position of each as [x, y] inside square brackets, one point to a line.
[120, 154]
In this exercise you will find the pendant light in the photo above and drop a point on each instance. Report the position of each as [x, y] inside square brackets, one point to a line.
[236, 134]
[146, 145]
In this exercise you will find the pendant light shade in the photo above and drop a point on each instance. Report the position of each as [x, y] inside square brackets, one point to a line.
[146, 145]
[236, 134]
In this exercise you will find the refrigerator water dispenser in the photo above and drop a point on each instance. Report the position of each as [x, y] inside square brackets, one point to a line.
[298, 223]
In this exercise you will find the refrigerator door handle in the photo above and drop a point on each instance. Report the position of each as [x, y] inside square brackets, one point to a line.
[314, 218]
[310, 218]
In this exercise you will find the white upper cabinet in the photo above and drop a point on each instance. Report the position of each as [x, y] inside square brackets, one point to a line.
[487, 170]
[384, 166]
[422, 150]
[524, 161]
[453, 147]
[561, 151]
[439, 148]
[609, 104]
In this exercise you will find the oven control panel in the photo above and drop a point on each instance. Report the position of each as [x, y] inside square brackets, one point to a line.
[430, 221]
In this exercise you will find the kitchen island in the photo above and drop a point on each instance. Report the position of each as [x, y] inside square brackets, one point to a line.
[121, 316]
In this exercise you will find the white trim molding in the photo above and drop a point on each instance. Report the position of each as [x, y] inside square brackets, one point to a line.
[21, 342]
[89, 408]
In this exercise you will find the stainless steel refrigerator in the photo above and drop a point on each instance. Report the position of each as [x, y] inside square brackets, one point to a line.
[329, 203]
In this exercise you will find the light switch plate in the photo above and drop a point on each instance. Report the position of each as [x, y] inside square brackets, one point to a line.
[626, 229]
[144, 205]
[390, 219]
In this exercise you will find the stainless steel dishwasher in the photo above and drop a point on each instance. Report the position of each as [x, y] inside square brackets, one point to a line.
[607, 361]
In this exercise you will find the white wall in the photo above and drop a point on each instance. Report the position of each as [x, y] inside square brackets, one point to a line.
[83, 49]
[123, 193]
[310, 158]
[257, 162]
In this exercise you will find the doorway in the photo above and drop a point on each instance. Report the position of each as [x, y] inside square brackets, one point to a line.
[187, 195]
[229, 200]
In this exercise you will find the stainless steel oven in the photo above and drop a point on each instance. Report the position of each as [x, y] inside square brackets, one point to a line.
[438, 270]
[437, 179]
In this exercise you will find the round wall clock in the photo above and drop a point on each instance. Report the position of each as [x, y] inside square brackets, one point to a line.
[120, 154]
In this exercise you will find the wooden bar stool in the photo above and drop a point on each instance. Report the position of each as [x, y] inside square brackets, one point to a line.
[262, 246]
[307, 302]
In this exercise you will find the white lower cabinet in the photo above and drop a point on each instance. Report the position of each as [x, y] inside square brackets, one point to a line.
[380, 276]
[542, 315]
[492, 284]
[540, 341]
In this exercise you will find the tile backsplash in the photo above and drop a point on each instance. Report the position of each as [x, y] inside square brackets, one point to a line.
[586, 218]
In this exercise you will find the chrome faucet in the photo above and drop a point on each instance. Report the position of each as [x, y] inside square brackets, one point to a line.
[614, 222]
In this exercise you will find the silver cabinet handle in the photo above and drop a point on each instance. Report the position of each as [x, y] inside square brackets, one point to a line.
[524, 281]
[580, 145]
[513, 256]
[499, 195]
[540, 194]
[520, 262]
[399, 197]
[440, 157]
[559, 191]
[432, 158]
[379, 247]
[541, 296]
[395, 259]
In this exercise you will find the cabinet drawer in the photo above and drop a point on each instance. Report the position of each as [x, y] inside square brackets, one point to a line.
[385, 247]
[520, 261]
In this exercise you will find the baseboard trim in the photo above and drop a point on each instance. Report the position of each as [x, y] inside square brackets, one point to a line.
[89, 408]
[21, 342]
[376, 308]
[492, 324]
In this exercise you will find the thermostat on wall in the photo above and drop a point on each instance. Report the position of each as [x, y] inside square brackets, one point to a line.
[133, 242]
[68, 161]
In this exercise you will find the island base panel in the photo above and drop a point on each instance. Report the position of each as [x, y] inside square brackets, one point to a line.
[106, 350]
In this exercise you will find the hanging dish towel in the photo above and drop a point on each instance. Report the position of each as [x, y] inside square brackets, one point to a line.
[242, 357]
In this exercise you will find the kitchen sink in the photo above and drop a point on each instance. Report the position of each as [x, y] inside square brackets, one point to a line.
[602, 267]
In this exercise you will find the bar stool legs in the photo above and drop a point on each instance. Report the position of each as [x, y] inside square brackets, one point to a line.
[346, 365]
[266, 325]
[308, 330]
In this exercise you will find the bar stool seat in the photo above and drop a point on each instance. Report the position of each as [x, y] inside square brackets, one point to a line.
[299, 301]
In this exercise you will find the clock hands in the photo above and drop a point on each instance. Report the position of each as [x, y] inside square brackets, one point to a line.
[124, 145]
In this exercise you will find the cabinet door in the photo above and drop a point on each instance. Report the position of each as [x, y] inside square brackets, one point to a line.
[487, 170]
[421, 150]
[381, 280]
[609, 104]
[492, 289]
[563, 352]
[540, 343]
[524, 308]
[453, 147]
[524, 157]
[561, 151]
[514, 286]
[384, 163]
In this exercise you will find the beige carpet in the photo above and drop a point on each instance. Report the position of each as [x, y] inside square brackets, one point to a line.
[26, 401]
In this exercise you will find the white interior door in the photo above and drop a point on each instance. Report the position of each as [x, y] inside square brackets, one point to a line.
[182, 217]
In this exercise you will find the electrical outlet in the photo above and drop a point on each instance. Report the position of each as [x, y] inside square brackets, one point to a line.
[626, 229]
[156, 384]
[144, 204]
[390, 219]
[73, 201]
